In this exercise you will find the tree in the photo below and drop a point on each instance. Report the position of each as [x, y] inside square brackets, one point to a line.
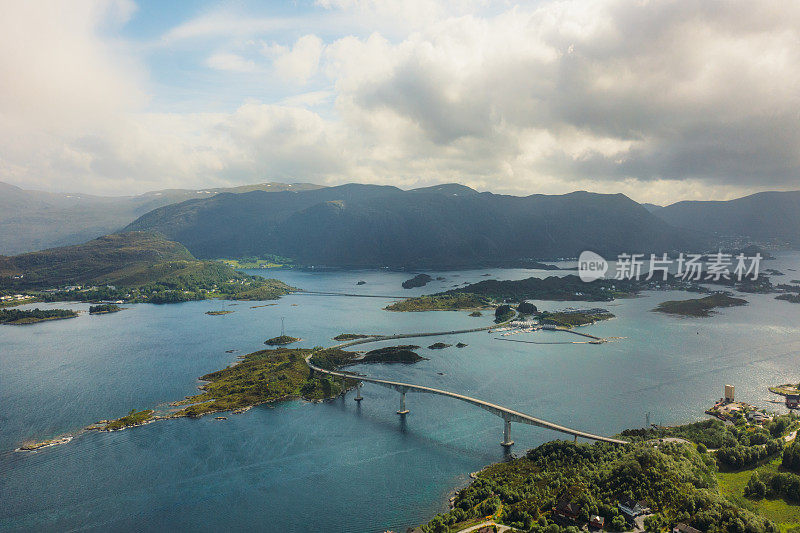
[527, 308]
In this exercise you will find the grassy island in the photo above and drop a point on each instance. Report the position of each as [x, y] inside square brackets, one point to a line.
[216, 313]
[699, 307]
[19, 317]
[280, 340]
[103, 309]
[442, 302]
[677, 479]
[134, 418]
[351, 336]
[420, 280]
[574, 318]
[439, 346]
[786, 389]
[266, 376]
[392, 354]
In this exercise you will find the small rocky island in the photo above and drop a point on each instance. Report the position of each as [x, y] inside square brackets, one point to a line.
[699, 307]
[102, 309]
[420, 280]
[351, 336]
[215, 313]
[439, 346]
[392, 354]
[281, 340]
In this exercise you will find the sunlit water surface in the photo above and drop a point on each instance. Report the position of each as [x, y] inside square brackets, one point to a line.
[341, 466]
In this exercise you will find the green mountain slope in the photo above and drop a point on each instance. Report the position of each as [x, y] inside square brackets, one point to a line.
[35, 220]
[443, 226]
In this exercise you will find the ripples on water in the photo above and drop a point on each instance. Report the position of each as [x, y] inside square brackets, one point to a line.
[339, 466]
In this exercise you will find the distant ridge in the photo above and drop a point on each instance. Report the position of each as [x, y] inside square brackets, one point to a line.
[764, 216]
[442, 226]
[35, 220]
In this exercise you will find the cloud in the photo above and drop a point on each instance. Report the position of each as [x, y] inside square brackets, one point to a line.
[302, 61]
[661, 100]
[230, 62]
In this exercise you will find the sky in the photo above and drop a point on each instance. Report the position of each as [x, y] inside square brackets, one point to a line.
[660, 100]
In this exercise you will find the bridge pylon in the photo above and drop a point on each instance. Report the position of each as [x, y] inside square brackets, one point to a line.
[507, 442]
[402, 411]
[358, 397]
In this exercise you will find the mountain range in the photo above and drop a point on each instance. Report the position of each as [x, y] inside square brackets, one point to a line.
[34, 220]
[442, 226]
[357, 225]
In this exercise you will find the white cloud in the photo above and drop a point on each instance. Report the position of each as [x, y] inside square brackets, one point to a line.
[230, 62]
[661, 100]
[302, 61]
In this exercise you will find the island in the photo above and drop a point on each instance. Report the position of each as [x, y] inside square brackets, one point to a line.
[442, 302]
[660, 478]
[215, 313]
[791, 298]
[351, 336]
[22, 317]
[392, 354]
[439, 346]
[102, 309]
[699, 307]
[281, 340]
[574, 317]
[132, 419]
[266, 376]
[420, 280]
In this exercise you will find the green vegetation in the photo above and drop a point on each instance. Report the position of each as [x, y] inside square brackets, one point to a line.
[791, 458]
[476, 313]
[265, 261]
[439, 346]
[280, 340]
[133, 267]
[104, 308]
[351, 336]
[503, 313]
[442, 302]
[20, 317]
[564, 288]
[785, 389]
[673, 479]
[216, 313]
[392, 354]
[420, 280]
[699, 307]
[575, 318]
[791, 298]
[266, 376]
[134, 418]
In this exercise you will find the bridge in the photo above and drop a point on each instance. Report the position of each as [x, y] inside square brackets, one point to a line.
[508, 415]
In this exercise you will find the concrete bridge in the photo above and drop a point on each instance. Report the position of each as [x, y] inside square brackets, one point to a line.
[508, 415]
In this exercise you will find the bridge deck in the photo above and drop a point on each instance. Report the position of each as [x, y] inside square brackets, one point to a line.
[498, 410]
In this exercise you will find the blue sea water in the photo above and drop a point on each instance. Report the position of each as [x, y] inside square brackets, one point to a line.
[338, 465]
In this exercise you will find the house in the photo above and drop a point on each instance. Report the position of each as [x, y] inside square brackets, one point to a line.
[757, 416]
[566, 508]
[632, 509]
[596, 522]
[683, 528]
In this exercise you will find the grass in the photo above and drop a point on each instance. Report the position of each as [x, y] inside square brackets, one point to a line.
[131, 419]
[731, 486]
[262, 377]
[574, 319]
[442, 302]
[281, 340]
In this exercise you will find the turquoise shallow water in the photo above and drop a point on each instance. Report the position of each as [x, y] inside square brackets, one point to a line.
[338, 466]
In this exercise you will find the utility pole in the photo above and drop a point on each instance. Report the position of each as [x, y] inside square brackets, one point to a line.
[647, 416]
[283, 330]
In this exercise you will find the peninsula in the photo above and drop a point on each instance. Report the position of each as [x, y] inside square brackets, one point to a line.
[21, 317]
[699, 307]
